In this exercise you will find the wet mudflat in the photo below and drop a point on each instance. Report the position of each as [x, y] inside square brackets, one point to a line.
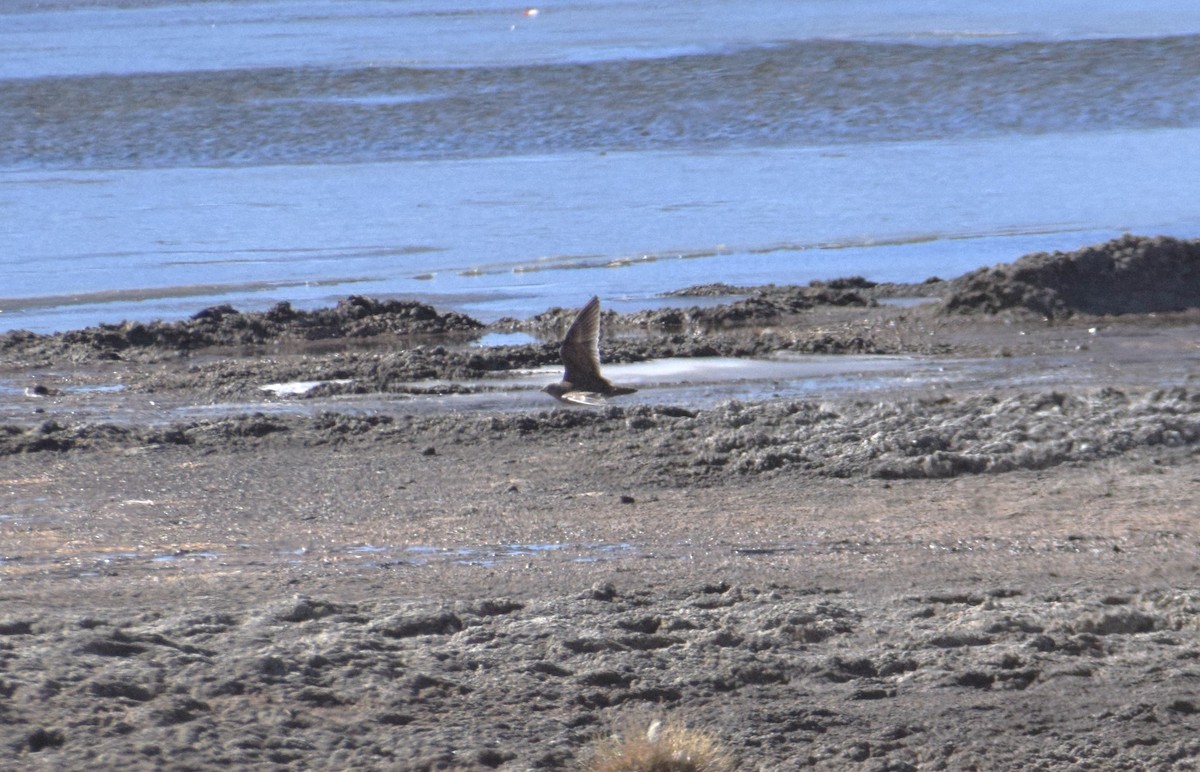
[343, 607]
[986, 559]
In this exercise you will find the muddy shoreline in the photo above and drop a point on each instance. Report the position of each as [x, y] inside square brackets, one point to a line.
[989, 572]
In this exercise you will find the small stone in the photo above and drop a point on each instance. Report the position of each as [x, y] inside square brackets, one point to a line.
[42, 738]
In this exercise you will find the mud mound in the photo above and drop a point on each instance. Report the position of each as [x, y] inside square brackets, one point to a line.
[762, 305]
[947, 438]
[1131, 274]
[713, 290]
[225, 433]
[354, 317]
[670, 446]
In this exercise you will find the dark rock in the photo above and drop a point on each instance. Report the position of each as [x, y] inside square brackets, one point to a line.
[955, 640]
[840, 670]
[122, 689]
[548, 668]
[641, 624]
[1017, 679]
[656, 695]
[873, 694]
[325, 698]
[492, 758]
[16, 627]
[648, 642]
[492, 608]
[112, 647]
[606, 678]
[41, 738]
[394, 719]
[1123, 622]
[590, 645]
[180, 710]
[604, 591]
[304, 609]
[975, 680]
[405, 626]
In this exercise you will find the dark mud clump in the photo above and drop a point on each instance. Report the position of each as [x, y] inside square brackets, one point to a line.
[354, 317]
[1128, 275]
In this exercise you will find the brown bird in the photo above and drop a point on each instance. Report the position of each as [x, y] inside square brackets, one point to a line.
[582, 382]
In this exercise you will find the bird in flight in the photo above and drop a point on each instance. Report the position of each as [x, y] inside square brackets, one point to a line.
[582, 382]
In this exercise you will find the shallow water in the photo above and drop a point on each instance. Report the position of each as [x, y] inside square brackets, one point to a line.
[163, 157]
[695, 382]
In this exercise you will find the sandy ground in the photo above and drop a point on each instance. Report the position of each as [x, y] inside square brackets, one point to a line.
[996, 573]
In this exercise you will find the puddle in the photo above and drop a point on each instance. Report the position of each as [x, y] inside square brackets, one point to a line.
[103, 388]
[703, 382]
[371, 557]
[223, 409]
[93, 562]
[178, 556]
[658, 380]
[186, 555]
[483, 555]
[26, 522]
[907, 302]
[296, 388]
[695, 383]
[39, 389]
[493, 339]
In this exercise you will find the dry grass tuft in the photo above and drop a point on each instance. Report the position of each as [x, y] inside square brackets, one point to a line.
[660, 747]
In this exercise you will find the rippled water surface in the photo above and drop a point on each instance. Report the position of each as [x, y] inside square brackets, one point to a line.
[160, 157]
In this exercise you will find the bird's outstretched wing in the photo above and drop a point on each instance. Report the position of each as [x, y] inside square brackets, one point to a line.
[581, 350]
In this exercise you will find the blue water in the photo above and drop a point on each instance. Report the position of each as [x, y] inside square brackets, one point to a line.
[160, 157]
